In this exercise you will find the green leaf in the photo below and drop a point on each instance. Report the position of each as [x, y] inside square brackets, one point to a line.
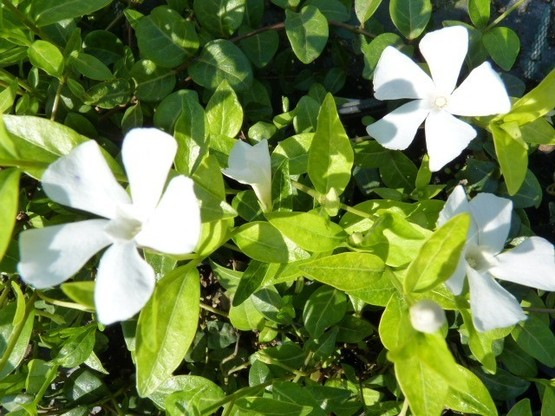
[536, 339]
[474, 399]
[398, 171]
[528, 195]
[224, 112]
[325, 307]
[365, 9]
[89, 66]
[439, 256]
[166, 38]
[260, 48]
[349, 271]
[167, 327]
[282, 190]
[7, 97]
[294, 150]
[193, 390]
[191, 134]
[479, 12]
[395, 328]
[332, 9]
[77, 348]
[539, 131]
[220, 17]
[47, 57]
[152, 83]
[9, 196]
[7, 330]
[521, 408]
[253, 277]
[307, 32]
[46, 12]
[254, 406]
[503, 385]
[503, 45]
[80, 292]
[410, 16]
[263, 242]
[372, 52]
[245, 317]
[353, 329]
[221, 60]
[306, 115]
[331, 156]
[109, 94]
[308, 230]
[512, 154]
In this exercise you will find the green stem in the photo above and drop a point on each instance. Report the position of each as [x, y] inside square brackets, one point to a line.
[50, 375]
[405, 408]
[234, 396]
[61, 83]
[502, 16]
[352, 28]
[61, 303]
[277, 26]
[538, 310]
[213, 310]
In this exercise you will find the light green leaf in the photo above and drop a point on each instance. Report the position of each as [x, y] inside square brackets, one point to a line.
[191, 134]
[166, 38]
[89, 66]
[309, 230]
[479, 12]
[194, 390]
[9, 197]
[474, 399]
[365, 9]
[47, 57]
[325, 307]
[282, 190]
[253, 277]
[439, 256]
[46, 12]
[372, 52]
[220, 17]
[503, 45]
[7, 330]
[331, 156]
[80, 292]
[220, 59]
[255, 406]
[307, 32]
[395, 328]
[7, 97]
[294, 150]
[77, 348]
[512, 154]
[167, 327]
[245, 317]
[410, 16]
[224, 112]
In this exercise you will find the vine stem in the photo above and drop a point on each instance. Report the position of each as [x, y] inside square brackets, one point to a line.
[405, 408]
[502, 16]
[63, 304]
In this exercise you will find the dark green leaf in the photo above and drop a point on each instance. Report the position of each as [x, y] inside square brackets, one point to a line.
[325, 307]
[503, 44]
[46, 12]
[220, 17]
[410, 16]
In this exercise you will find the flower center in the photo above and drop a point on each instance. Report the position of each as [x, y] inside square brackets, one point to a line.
[125, 226]
[440, 102]
[477, 258]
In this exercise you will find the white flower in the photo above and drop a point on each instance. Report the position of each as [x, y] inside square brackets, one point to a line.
[397, 76]
[531, 263]
[427, 316]
[168, 223]
[251, 165]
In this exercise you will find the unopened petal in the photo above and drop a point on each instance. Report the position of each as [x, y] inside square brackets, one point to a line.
[427, 316]
[148, 155]
[397, 129]
[397, 76]
[174, 227]
[492, 306]
[531, 263]
[482, 93]
[83, 180]
[446, 138]
[51, 255]
[124, 283]
[493, 217]
[444, 51]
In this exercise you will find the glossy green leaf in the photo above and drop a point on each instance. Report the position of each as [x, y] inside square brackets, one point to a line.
[254, 406]
[7, 97]
[516, 361]
[333, 10]
[365, 9]
[109, 94]
[253, 277]
[521, 408]
[23, 333]
[224, 112]
[282, 190]
[325, 307]
[191, 134]
[529, 194]
[89, 66]
[503, 45]
[474, 399]
[76, 349]
[53, 11]
[294, 149]
[410, 16]
[372, 52]
[395, 328]
[80, 292]
[260, 48]
[331, 156]
[539, 131]
[306, 115]
[439, 256]
[536, 339]
[479, 12]
[353, 329]
[167, 327]
[193, 390]
[512, 154]
[220, 17]
[47, 57]
[9, 197]
[172, 106]
[307, 32]
[309, 230]
[398, 171]
[245, 317]
[221, 60]
[503, 385]
[152, 83]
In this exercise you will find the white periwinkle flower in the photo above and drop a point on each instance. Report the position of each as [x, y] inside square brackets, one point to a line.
[168, 222]
[436, 99]
[531, 263]
[251, 165]
[427, 316]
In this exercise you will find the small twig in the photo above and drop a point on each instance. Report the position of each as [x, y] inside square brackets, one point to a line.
[502, 16]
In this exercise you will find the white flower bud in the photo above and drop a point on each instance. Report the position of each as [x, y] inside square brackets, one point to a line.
[427, 316]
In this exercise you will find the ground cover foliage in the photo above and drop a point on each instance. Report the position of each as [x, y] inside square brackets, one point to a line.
[321, 282]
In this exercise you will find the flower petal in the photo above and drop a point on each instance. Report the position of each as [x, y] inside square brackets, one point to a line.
[492, 306]
[493, 217]
[531, 263]
[174, 227]
[251, 165]
[446, 138]
[397, 76]
[147, 154]
[445, 50]
[482, 93]
[457, 203]
[83, 180]
[124, 283]
[456, 282]
[51, 255]
[397, 129]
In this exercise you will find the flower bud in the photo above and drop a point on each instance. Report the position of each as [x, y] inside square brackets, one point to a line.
[427, 316]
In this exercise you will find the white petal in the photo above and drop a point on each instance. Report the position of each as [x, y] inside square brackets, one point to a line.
[174, 227]
[147, 154]
[493, 217]
[531, 263]
[446, 138]
[51, 255]
[456, 282]
[457, 203]
[397, 76]
[492, 306]
[83, 180]
[398, 128]
[251, 165]
[124, 283]
[427, 316]
[482, 93]
[445, 50]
